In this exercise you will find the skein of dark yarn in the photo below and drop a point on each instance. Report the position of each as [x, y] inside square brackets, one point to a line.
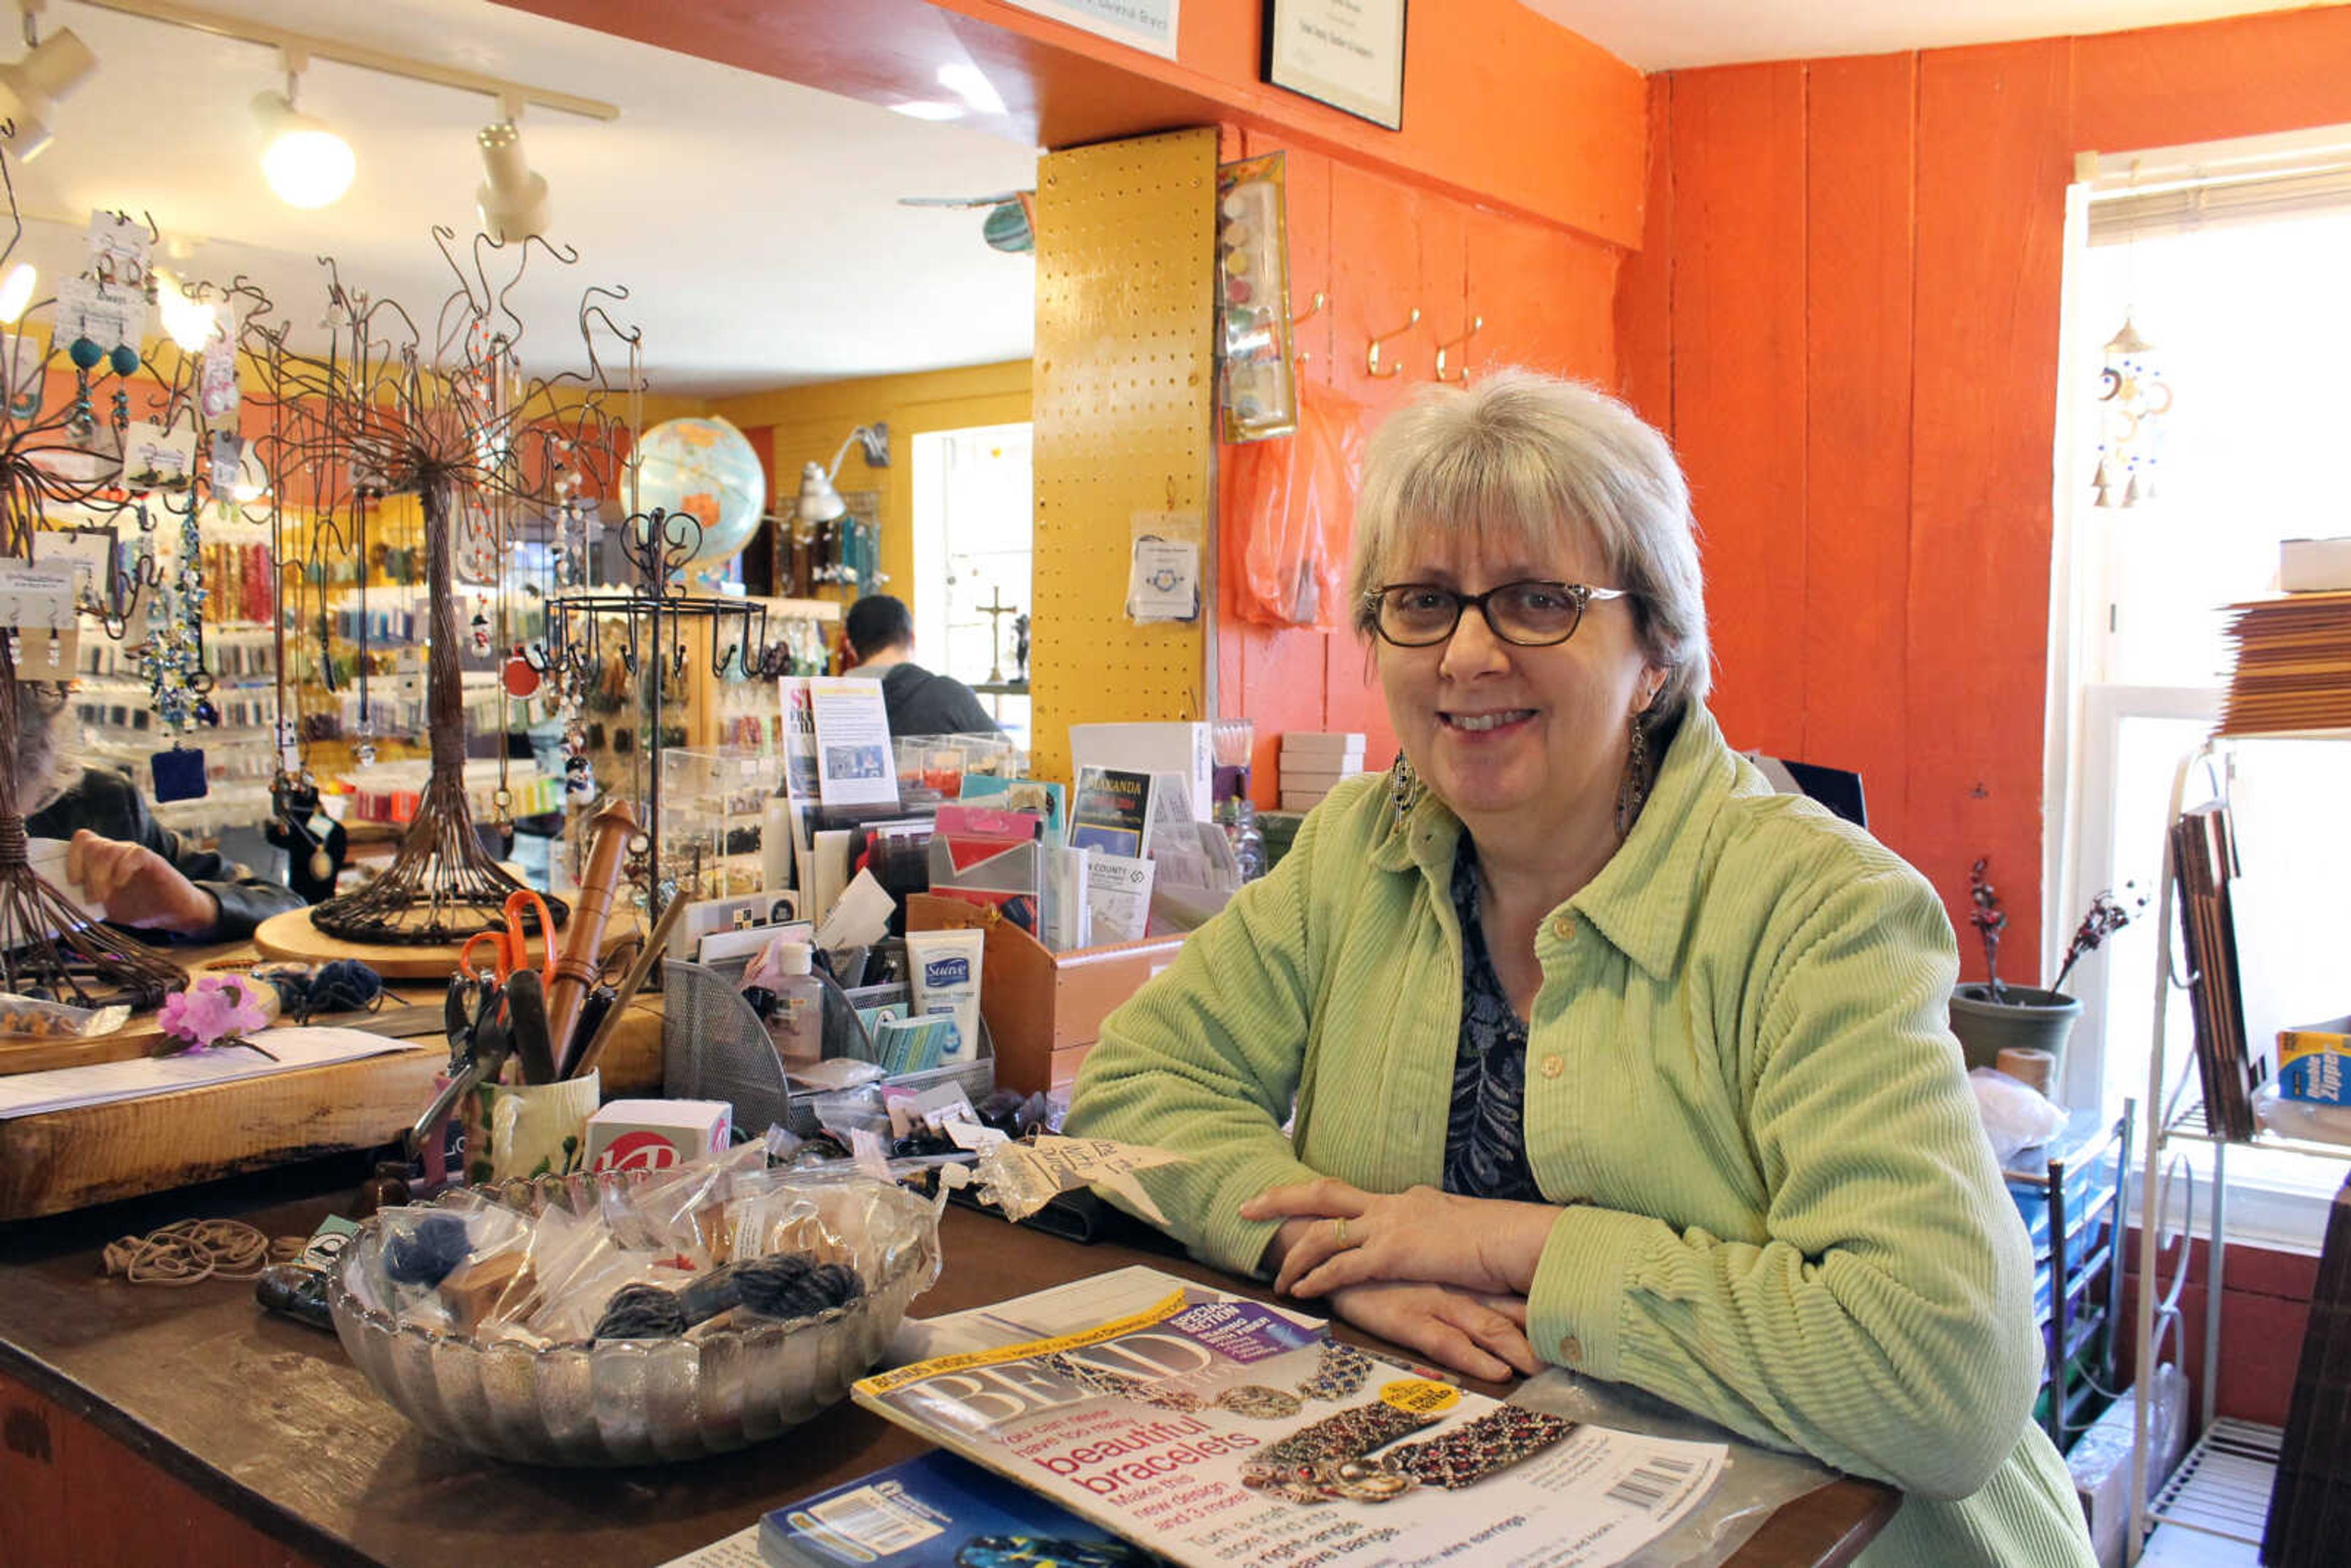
[425, 1255]
[788, 1285]
[642, 1312]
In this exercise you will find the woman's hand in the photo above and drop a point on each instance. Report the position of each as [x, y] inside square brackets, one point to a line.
[136, 886]
[1482, 1336]
[1484, 1246]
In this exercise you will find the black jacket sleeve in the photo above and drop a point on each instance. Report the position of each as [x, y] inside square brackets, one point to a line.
[110, 806]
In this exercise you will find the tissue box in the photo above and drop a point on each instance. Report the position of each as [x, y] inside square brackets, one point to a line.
[2315, 1062]
[654, 1134]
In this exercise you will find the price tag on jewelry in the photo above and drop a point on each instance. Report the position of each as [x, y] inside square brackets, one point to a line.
[154, 457]
[120, 246]
[107, 314]
[36, 606]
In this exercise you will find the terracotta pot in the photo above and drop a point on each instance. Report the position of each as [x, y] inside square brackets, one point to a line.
[2028, 1020]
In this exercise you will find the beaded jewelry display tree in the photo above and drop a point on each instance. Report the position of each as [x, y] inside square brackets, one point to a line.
[455, 421]
[51, 456]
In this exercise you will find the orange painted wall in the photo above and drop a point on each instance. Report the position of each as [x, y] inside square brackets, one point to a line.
[1845, 311]
[1476, 70]
[1380, 248]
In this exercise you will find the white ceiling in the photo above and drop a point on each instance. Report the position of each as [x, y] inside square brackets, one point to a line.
[754, 222]
[1668, 34]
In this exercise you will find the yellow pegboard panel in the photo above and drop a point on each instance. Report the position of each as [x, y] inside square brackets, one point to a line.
[1124, 378]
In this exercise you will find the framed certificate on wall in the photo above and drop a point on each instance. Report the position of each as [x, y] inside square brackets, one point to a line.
[1348, 53]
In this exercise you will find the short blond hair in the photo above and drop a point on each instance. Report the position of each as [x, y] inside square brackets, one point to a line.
[1509, 462]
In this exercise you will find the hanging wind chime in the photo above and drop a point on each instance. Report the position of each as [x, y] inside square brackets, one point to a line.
[2133, 398]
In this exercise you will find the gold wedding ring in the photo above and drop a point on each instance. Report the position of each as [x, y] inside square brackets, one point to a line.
[1339, 1231]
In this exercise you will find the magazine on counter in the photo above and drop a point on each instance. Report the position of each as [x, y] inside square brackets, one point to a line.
[1216, 1430]
[936, 1510]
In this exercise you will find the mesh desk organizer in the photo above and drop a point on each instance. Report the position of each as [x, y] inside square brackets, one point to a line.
[714, 1047]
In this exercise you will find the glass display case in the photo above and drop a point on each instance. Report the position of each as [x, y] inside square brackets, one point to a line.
[714, 803]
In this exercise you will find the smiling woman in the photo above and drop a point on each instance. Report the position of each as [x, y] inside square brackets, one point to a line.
[1599, 1052]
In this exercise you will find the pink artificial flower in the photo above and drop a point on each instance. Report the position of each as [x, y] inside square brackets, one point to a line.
[212, 1008]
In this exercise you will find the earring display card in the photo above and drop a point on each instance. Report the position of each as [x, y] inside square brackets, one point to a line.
[1257, 370]
[36, 606]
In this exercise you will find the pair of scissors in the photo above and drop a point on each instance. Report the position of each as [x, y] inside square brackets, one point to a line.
[510, 949]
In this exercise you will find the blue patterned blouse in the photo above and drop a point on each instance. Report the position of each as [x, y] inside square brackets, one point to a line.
[1485, 1143]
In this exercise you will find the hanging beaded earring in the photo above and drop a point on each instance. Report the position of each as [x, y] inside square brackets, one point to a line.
[1632, 793]
[1404, 787]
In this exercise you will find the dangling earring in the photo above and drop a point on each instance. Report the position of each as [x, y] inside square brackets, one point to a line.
[1634, 791]
[1403, 788]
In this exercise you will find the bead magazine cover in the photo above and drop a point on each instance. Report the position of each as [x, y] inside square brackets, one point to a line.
[1216, 1430]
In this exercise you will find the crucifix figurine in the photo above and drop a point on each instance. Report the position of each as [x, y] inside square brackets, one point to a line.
[995, 609]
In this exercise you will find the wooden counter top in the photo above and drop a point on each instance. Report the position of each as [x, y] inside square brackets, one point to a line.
[278, 1435]
[68, 1159]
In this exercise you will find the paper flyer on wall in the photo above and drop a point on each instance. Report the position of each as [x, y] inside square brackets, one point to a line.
[1218, 1430]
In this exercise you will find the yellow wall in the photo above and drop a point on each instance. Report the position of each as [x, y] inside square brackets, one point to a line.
[811, 422]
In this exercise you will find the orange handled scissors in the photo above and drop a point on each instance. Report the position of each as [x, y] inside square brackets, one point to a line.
[510, 949]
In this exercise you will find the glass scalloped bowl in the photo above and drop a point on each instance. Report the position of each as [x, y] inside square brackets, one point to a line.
[625, 1402]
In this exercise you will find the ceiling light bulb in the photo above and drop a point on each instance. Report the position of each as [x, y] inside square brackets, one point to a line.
[32, 88]
[307, 164]
[17, 293]
[513, 204]
[190, 324]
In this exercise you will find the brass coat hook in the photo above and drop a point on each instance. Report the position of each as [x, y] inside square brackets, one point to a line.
[1322, 303]
[1476, 325]
[1372, 354]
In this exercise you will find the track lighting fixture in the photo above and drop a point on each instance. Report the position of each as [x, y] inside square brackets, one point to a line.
[513, 201]
[306, 163]
[32, 88]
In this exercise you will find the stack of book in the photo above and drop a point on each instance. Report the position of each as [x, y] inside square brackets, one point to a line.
[1313, 763]
[2204, 861]
[2294, 666]
[2310, 1499]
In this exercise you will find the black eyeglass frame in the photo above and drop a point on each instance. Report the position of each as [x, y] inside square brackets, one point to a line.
[1581, 592]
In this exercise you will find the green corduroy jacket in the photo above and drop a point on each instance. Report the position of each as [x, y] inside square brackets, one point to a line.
[1780, 1209]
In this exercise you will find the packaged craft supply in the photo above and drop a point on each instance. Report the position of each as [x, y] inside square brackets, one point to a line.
[1257, 372]
[27, 1018]
[614, 1320]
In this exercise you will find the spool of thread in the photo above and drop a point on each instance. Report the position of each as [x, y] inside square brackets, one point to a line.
[2036, 1068]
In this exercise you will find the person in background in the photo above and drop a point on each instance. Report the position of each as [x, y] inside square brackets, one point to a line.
[881, 637]
[141, 874]
[1571, 1042]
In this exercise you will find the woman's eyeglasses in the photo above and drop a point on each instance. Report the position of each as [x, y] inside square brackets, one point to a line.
[1528, 614]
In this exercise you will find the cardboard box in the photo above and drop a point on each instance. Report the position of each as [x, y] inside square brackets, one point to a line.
[654, 1134]
[1179, 748]
[2315, 1062]
[2315, 566]
[1044, 1010]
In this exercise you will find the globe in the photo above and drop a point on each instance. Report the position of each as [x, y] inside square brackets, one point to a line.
[704, 469]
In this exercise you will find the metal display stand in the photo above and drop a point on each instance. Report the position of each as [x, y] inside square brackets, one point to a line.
[2221, 1486]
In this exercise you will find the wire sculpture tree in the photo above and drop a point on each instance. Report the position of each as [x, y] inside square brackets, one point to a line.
[456, 421]
[52, 455]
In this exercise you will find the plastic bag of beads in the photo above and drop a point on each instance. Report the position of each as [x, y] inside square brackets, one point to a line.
[683, 1210]
[447, 1268]
[838, 1217]
[582, 1268]
[29, 1018]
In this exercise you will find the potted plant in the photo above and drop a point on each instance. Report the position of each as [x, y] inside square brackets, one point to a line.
[1990, 1017]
